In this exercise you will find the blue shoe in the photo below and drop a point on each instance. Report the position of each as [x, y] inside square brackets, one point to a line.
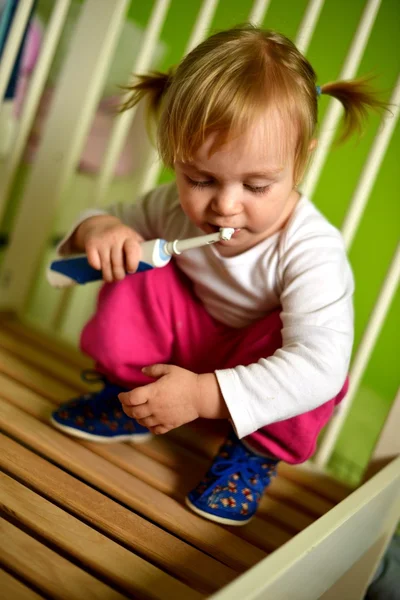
[232, 488]
[99, 417]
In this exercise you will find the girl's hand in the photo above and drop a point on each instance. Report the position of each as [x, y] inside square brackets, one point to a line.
[168, 402]
[176, 397]
[109, 245]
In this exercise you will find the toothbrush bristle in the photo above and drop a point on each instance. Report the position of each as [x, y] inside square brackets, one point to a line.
[226, 233]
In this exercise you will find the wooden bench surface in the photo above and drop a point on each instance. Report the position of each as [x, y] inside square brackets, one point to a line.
[86, 520]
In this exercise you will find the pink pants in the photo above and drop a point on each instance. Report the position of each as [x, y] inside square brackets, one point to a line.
[154, 317]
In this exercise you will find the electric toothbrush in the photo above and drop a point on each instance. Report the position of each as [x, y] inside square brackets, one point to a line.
[72, 270]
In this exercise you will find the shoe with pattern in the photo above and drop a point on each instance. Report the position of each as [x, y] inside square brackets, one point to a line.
[99, 417]
[232, 488]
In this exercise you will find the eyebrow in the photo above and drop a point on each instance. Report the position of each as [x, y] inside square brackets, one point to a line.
[267, 173]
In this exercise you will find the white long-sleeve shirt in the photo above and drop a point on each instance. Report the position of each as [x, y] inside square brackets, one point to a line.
[303, 269]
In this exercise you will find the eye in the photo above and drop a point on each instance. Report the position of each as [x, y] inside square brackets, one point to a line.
[258, 189]
[198, 184]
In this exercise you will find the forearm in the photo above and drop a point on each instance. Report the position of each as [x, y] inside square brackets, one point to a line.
[211, 403]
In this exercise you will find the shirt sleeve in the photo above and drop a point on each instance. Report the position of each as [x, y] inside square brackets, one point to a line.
[317, 337]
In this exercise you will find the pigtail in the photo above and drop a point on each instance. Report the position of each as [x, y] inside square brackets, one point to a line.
[357, 97]
[152, 86]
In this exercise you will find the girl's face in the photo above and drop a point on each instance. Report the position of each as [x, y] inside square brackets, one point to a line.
[245, 185]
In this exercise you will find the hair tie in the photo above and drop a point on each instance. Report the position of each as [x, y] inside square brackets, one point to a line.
[318, 90]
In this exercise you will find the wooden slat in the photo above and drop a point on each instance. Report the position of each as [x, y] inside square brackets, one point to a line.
[38, 357]
[93, 550]
[180, 559]
[45, 569]
[38, 380]
[40, 339]
[14, 589]
[126, 488]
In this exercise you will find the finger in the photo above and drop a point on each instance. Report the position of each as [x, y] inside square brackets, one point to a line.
[140, 412]
[133, 398]
[157, 370]
[93, 257]
[128, 411]
[159, 429]
[149, 422]
[131, 251]
[117, 262]
[106, 264]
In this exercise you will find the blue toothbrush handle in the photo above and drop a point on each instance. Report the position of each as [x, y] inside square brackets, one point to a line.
[73, 270]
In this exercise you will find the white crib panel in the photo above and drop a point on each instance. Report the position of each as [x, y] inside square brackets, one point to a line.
[124, 121]
[361, 359]
[258, 12]
[13, 42]
[203, 21]
[73, 106]
[308, 24]
[334, 111]
[371, 168]
[336, 556]
[9, 166]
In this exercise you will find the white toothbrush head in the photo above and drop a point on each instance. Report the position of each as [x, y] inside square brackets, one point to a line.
[226, 233]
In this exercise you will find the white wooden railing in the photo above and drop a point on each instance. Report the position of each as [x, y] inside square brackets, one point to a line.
[74, 103]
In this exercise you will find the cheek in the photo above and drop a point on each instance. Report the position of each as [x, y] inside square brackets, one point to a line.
[190, 201]
[269, 209]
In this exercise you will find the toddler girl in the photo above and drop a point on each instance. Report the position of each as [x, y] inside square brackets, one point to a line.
[258, 329]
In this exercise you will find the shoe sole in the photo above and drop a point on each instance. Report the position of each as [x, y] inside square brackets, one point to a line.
[136, 438]
[211, 517]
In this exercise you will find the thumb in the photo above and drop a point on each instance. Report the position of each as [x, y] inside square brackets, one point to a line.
[157, 370]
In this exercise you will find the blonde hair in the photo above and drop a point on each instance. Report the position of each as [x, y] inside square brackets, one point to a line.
[233, 78]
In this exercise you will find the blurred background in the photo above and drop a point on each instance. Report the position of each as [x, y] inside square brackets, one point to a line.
[376, 238]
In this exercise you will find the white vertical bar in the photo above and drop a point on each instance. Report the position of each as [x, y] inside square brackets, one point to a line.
[202, 24]
[371, 168]
[361, 359]
[308, 24]
[73, 106]
[124, 121]
[335, 109]
[9, 166]
[200, 27]
[258, 12]
[14, 38]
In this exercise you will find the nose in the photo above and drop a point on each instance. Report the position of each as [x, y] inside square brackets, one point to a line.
[226, 203]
